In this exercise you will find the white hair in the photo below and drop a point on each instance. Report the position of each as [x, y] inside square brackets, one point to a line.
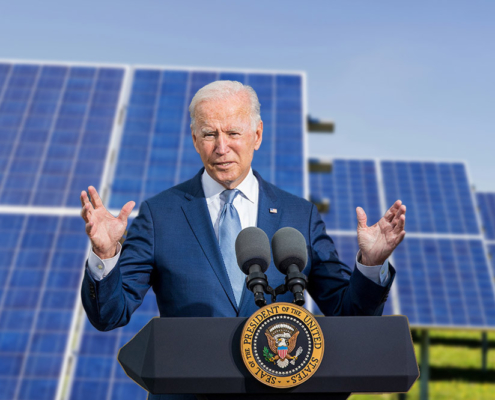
[220, 90]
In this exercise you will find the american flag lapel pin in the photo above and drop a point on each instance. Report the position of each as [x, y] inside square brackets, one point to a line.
[273, 210]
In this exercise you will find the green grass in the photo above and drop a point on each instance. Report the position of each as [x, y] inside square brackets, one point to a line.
[455, 368]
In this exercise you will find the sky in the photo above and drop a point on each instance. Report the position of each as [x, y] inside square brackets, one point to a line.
[401, 80]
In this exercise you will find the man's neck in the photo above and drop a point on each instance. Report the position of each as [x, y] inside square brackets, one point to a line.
[211, 187]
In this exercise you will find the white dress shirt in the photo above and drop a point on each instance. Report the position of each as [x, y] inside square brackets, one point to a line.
[246, 203]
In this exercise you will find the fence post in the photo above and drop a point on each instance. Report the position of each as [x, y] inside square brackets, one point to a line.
[425, 366]
[484, 351]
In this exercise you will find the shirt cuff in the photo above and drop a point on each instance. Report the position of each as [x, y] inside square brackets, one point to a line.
[99, 268]
[377, 273]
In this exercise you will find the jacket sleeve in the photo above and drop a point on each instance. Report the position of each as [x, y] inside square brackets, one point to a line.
[109, 303]
[333, 286]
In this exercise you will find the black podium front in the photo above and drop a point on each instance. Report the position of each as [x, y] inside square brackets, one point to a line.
[201, 356]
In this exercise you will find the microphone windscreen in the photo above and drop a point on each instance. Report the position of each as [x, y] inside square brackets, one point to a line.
[252, 246]
[289, 247]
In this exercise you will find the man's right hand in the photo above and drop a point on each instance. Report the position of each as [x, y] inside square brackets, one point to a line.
[103, 229]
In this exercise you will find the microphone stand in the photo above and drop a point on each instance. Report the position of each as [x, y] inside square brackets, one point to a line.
[295, 281]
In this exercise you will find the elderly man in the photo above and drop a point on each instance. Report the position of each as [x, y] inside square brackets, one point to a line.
[182, 241]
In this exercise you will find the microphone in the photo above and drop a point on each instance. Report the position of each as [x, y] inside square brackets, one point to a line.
[290, 256]
[252, 249]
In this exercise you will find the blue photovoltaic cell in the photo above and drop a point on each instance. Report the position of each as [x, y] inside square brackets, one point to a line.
[347, 248]
[351, 183]
[437, 195]
[157, 150]
[444, 282]
[486, 203]
[41, 262]
[491, 255]
[55, 126]
[98, 375]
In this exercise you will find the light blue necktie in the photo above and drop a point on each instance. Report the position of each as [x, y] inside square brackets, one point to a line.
[229, 227]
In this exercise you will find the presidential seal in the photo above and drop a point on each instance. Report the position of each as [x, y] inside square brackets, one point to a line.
[282, 345]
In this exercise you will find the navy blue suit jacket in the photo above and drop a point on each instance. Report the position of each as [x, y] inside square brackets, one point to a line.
[171, 247]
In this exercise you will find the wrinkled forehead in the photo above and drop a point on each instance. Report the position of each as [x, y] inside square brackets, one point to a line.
[231, 112]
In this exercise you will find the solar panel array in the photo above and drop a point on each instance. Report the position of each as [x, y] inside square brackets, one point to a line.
[58, 127]
[443, 277]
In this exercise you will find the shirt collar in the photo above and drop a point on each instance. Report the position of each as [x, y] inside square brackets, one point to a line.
[213, 189]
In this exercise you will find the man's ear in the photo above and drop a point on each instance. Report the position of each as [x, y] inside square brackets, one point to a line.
[259, 136]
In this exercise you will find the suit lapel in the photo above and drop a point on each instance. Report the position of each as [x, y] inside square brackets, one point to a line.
[198, 216]
[269, 210]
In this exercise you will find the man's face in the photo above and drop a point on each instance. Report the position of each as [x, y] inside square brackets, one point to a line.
[224, 138]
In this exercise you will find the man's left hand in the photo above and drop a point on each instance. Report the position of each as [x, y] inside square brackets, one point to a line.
[377, 242]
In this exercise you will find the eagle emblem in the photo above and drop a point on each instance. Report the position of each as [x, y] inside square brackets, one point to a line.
[282, 341]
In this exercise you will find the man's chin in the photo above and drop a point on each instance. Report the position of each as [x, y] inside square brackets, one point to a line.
[225, 179]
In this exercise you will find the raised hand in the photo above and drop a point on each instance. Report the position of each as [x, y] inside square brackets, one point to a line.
[377, 242]
[103, 229]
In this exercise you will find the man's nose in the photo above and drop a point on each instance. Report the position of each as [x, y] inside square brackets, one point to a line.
[222, 144]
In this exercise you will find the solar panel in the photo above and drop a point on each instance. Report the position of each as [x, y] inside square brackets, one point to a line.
[41, 259]
[486, 203]
[437, 195]
[443, 276]
[351, 183]
[445, 282]
[157, 151]
[55, 127]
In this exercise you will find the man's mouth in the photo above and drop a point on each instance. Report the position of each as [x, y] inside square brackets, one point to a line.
[224, 164]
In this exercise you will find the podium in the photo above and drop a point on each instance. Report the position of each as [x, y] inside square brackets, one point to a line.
[201, 356]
